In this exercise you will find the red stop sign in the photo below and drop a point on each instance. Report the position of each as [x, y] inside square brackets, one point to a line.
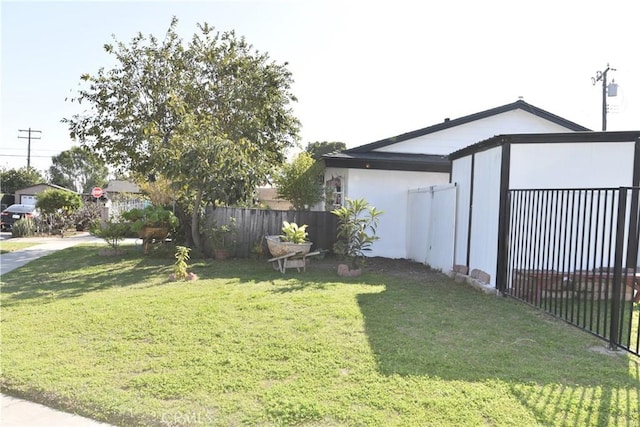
[96, 192]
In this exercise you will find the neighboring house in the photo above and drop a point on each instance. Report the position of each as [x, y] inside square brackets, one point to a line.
[386, 172]
[268, 196]
[487, 226]
[28, 195]
[122, 196]
[115, 187]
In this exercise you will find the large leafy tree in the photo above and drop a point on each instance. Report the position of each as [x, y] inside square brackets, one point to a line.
[212, 115]
[300, 182]
[78, 169]
[319, 148]
[16, 179]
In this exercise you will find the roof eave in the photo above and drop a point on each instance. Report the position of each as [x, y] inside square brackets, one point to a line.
[388, 164]
[519, 104]
[547, 138]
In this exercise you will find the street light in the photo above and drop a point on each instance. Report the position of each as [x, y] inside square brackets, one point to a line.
[612, 90]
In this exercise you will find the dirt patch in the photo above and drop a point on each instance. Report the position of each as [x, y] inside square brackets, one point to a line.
[396, 267]
[606, 351]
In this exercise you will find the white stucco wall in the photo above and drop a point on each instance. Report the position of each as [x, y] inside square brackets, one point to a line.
[449, 140]
[388, 191]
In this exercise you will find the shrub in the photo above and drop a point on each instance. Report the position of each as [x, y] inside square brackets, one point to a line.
[221, 236]
[112, 232]
[357, 226]
[58, 201]
[53, 223]
[87, 214]
[151, 216]
[57, 208]
[24, 227]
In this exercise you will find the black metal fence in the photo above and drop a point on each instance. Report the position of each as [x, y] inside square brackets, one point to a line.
[574, 254]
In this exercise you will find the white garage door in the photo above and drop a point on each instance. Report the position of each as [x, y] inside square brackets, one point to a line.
[28, 200]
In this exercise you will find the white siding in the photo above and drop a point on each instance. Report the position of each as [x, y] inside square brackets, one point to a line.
[566, 165]
[449, 140]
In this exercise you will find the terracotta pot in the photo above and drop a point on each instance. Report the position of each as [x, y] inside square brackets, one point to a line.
[344, 271]
[221, 253]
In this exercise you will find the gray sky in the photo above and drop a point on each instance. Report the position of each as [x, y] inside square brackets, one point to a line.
[363, 70]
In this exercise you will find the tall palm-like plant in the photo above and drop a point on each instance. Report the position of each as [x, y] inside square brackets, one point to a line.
[357, 227]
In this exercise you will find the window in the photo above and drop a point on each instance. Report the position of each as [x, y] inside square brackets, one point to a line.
[334, 192]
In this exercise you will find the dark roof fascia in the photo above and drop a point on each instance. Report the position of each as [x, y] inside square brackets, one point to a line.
[547, 138]
[519, 104]
[389, 161]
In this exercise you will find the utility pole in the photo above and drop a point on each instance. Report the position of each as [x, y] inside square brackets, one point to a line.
[602, 76]
[29, 137]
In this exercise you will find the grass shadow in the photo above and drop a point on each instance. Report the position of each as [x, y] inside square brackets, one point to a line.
[450, 331]
[78, 270]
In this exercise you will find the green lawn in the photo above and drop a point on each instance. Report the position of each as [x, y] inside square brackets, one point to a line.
[113, 339]
[9, 246]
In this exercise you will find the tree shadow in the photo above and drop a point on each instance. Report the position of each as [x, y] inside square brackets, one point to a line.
[78, 270]
[442, 329]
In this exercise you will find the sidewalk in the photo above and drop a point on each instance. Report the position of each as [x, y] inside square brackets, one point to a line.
[19, 412]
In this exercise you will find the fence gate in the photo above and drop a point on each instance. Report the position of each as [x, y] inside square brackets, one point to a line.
[574, 254]
[431, 227]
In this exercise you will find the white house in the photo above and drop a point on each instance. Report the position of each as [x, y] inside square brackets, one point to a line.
[397, 175]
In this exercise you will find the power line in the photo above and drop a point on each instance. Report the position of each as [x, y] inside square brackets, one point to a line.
[22, 155]
[37, 150]
[29, 137]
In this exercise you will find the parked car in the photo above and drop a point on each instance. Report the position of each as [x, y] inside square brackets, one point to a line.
[15, 212]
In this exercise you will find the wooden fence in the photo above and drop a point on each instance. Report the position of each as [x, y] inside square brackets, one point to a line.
[254, 224]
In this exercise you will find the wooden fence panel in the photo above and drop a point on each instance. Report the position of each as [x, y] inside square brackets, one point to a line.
[254, 224]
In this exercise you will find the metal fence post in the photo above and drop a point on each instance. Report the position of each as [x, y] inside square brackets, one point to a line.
[614, 332]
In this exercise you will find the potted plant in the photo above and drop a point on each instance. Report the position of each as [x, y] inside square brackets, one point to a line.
[292, 240]
[223, 238]
[357, 226]
[151, 223]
